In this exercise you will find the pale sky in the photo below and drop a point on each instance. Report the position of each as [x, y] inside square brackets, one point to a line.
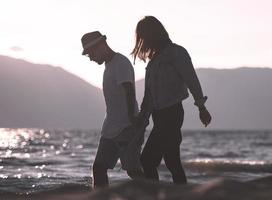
[216, 33]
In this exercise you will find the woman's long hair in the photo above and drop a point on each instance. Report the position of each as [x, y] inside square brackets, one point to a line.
[151, 37]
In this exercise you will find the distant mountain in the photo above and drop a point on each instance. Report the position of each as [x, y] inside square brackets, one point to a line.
[237, 98]
[44, 96]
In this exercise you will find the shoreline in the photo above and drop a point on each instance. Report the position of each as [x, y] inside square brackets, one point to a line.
[216, 189]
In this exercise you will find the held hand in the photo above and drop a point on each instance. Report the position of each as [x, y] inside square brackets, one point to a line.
[141, 121]
[138, 121]
[132, 119]
[205, 116]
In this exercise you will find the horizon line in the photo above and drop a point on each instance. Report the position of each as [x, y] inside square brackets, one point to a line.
[201, 67]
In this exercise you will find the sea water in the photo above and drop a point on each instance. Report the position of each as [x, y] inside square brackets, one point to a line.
[35, 160]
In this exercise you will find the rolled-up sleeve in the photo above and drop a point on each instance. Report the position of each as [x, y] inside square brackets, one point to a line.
[184, 66]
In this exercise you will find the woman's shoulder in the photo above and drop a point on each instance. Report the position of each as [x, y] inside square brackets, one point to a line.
[175, 50]
[178, 48]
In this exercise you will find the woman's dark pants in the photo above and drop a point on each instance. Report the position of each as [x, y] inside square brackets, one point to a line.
[164, 142]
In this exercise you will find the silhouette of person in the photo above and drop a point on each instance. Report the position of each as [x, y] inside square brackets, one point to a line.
[169, 75]
[121, 109]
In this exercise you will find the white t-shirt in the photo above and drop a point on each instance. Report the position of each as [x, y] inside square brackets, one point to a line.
[117, 71]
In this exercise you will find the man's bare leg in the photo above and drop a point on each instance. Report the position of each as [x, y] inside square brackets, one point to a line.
[100, 176]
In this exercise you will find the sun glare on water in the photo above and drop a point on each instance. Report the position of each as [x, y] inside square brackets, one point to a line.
[226, 161]
[12, 140]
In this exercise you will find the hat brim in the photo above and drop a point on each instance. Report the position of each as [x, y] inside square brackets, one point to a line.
[89, 45]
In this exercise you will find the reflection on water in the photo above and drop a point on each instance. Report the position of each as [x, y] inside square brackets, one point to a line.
[227, 161]
[16, 138]
[33, 159]
[16, 152]
[33, 153]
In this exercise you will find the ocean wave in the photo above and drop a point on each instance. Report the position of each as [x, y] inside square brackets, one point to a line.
[229, 165]
[262, 144]
[16, 162]
[222, 155]
[13, 185]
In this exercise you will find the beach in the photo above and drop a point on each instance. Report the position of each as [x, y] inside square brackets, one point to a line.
[216, 189]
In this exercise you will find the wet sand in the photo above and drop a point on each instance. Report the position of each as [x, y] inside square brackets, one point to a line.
[217, 189]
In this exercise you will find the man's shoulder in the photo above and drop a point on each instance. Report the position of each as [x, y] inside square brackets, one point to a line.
[123, 63]
[122, 58]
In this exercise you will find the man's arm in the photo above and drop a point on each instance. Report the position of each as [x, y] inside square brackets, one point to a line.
[130, 96]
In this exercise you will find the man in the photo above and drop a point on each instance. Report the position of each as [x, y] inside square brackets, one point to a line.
[121, 108]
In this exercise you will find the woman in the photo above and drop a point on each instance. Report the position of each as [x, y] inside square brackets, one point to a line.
[168, 75]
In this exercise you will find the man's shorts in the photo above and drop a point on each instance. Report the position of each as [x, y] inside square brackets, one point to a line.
[126, 146]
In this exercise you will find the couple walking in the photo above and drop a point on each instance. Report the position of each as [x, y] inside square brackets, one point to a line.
[169, 75]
